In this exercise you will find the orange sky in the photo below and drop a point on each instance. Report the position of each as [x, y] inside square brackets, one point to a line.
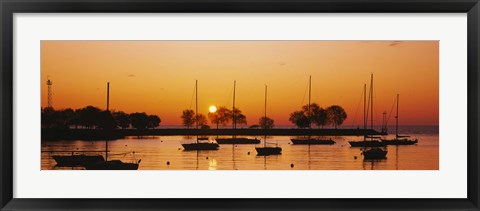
[158, 77]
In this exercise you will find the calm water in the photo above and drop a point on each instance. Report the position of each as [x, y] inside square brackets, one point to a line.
[156, 151]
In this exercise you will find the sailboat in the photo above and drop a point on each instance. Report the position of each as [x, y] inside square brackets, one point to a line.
[76, 160]
[267, 150]
[235, 139]
[365, 142]
[375, 153]
[309, 140]
[111, 164]
[199, 145]
[399, 140]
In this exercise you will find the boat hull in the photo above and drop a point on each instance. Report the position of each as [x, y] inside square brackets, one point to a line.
[367, 143]
[312, 141]
[268, 150]
[375, 154]
[200, 146]
[112, 165]
[399, 142]
[77, 160]
[237, 141]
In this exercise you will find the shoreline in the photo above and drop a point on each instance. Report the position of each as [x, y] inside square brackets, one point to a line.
[98, 134]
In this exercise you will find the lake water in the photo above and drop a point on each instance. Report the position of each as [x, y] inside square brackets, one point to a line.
[156, 151]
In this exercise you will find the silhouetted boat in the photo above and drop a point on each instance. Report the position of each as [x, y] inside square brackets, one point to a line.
[199, 145]
[263, 151]
[313, 141]
[372, 142]
[310, 140]
[235, 139]
[367, 143]
[113, 164]
[399, 140]
[374, 154]
[76, 160]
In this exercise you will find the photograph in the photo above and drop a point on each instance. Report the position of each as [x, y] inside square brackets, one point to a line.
[239, 105]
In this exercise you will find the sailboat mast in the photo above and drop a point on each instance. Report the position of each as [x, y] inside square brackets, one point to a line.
[309, 98]
[265, 118]
[364, 111]
[234, 121]
[106, 141]
[396, 123]
[196, 107]
[108, 95]
[371, 101]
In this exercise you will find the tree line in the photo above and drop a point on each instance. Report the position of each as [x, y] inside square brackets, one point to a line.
[334, 115]
[91, 117]
[223, 116]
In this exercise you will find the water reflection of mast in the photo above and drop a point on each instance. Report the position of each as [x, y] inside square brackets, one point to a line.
[309, 157]
[396, 158]
[233, 157]
[197, 161]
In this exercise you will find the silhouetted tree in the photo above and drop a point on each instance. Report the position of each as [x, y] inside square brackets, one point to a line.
[48, 117]
[240, 119]
[299, 119]
[122, 119]
[318, 115]
[202, 120]
[105, 120]
[188, 118]
[337, 115]
[153, 121]
[220, 117]
[139, 120]
[266, 123]
[88, 116]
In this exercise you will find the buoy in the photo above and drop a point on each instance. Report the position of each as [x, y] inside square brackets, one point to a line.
[291, 165]
[178, 148]
[125, 145]
[248, 153]
[207, 158]
[161, 141]
[355, 157]
[168, 163]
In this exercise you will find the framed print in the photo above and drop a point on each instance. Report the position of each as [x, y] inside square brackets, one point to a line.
[239, 105]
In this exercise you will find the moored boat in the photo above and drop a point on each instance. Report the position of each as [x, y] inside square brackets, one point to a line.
[312, 141]
[309, 140]
[235, 139]
[266, 150]
[76, 160]
[399, 140]
[199, 145]
[374, 154]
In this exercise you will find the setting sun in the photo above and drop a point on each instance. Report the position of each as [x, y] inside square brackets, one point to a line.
[212, 109]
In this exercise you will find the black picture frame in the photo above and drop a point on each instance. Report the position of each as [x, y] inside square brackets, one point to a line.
[9, 7]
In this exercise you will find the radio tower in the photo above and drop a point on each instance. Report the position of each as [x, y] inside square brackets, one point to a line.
[49, 84]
